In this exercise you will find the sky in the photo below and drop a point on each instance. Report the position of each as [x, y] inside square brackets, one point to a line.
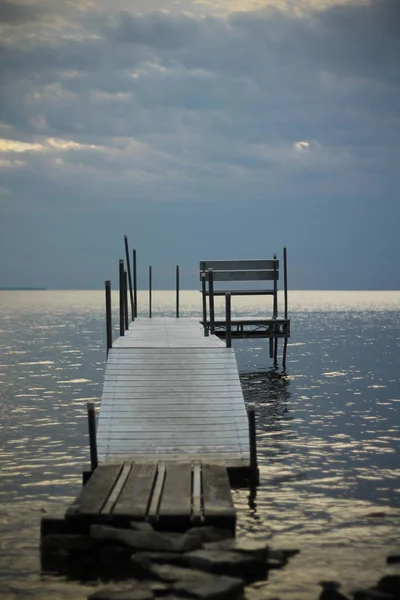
[202, 130]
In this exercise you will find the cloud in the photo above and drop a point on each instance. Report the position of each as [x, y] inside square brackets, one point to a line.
[239, 107]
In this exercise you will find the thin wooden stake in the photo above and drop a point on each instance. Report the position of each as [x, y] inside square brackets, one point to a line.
[275, 352]
[134, 282]
[121, 298]
[128, 268]
[204, 301]
[211, 300]
[92, 435]
[228, 321]
[271, 347]
[275, 315]
[285, 281]
[285, 343]
[108, 316]
[126, 315]
[251, 415]
[177, 291]
[150, 289]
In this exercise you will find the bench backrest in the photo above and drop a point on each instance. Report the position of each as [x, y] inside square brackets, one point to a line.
[241, 270]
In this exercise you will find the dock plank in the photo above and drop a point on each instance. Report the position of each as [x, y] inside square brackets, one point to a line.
[96, 491]
[134, 499]
[218, 503]
[176, 497]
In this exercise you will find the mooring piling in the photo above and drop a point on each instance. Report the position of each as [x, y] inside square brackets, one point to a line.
[108, 316]
[128, 268]
[92, 435]
[150, 289]
[251, 416]
[177, 291]
[211, 299]
[204, 302]
[126, 300]
[228, 319]
[134, 281]
[121, 298]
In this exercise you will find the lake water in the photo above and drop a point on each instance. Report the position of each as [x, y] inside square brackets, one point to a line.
[328, 431]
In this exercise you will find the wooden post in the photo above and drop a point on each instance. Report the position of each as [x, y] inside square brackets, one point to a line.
[251, 415]
[128, 268]
[275, 315]
[285, 281]
[150, 289]
[92, 435]
[271, 347]
[121, 298]
[134, 282]
[211, 300]
[228, 321]
[108, 316]
[204, 301]
[275, 352]
[284, 354]
[126, 300]
[177, 291]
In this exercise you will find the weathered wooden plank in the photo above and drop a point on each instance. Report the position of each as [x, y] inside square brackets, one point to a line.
[197, 493]
[116, 491]
[245, 275]
[176, 496]
[235, 265]
[134, 499]
[237, 292]
[96, 491]
[217, 497]
[157, 492]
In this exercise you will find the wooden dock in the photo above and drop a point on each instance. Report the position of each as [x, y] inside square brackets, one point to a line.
[173, 432]
[172, 393]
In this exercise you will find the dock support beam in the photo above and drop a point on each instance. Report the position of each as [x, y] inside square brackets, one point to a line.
[128, 268]
[108, 316]
[228, 320]
[150, 289]
[134, 281]
[211, 300]
[92, 435]
[121, 298]
[204, 301]
[251, 415]
[177, 291]
[126, 315]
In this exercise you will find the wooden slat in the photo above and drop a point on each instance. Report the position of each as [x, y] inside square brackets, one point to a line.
[217, 496]
[237, 265]
[176, 497]
[197, 492]
[245, 275]
[242, 292]
[96, 491]
[157, 492]
[116, 491]
[133, 502]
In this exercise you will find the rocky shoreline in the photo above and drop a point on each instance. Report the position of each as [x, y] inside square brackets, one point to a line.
[204, 563]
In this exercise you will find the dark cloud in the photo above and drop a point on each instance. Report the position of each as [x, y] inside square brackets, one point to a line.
[296, 115]
[13, 13]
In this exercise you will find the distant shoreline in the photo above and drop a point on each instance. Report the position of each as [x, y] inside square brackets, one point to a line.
[22, 289]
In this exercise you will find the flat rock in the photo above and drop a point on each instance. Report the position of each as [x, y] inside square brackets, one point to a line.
[283, 552]
[152, 541]
[204, 535]
[223, 562]
[141, 526]
[276, 563]
[259, 550]
[69, 542]
[138, 592]
[198, 584]
[171, 558]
